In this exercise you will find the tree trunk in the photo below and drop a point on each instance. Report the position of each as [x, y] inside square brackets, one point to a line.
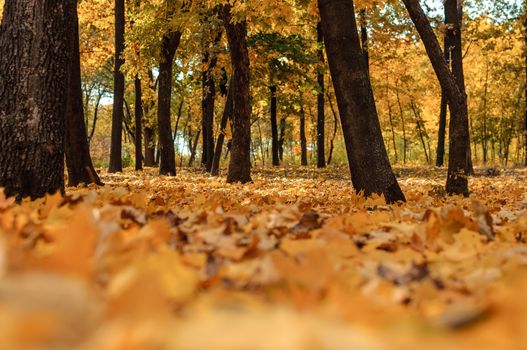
[116, 164]
[457, 182]
[274, 127]
[455, 16]
[240, 163]
[150, 149]
[303, 139]
[281, 139]
[392, 127]
[418, 123]
[78, 160]
[227, 112]
[167, 163]
[138, 124]
[441, 133]
[95, 114]
[370, 167]
[403, 124]
[525, 112]
[321, 113]
[193, 147]
[335, 129]
[207, 107]
[36, 44]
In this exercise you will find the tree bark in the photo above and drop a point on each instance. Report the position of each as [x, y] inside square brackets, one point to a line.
[335, 129]
[455, 16]
[35, 45]
[167, 163]
[208, 101]
[370, 167]
[227, 113]
[274, 127]
[457, 182]
[441, 133]
[303, 139]
[240, 163]
[281, 139]
[138, 124]
[116, 164]
[78, 160]
[321, 113]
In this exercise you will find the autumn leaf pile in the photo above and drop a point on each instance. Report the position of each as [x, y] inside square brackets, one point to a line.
[295, 260]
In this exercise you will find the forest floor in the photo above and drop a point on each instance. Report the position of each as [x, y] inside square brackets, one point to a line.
[295, 260]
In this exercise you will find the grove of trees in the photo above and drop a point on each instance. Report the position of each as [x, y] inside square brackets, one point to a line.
[171, 83]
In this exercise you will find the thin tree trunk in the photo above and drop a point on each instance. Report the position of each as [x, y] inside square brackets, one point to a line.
[321, 113]
[457, 182]
[418, 123]
[193, 148]
[167, 163]
[370, 168]
[138, 124]
[403, 124]
[364, 37]
[392, 127]
[441, 133]
[335, 128]
[240, 163]
[303, 140]
[207, 107]
[484, 142]
[95, 114]
[116, 164]
[35, 45]
[227, 113]
[281, 139]
[274, 127]
[78, 160]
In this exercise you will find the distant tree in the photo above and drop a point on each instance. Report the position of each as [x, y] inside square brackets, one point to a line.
[36, 41]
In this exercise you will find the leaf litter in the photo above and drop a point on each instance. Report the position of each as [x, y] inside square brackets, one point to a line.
[287, 262]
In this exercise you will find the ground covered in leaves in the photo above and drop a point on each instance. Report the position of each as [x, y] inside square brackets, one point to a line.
[295, 260]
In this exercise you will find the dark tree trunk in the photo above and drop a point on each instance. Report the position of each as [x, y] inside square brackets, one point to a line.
[274, 127]
[525, 112]
[457, 182]
[227, 112]
[167, 163]
[240, 163]
[138, 124]
[95, 115]
[281, 139]
[150, 149]
[321, 113]
[392, 128]
[35, 44]
[303, 139]
[455, 17]
[193, 146]
[419, 124]
[116, 164]
[335, 129]
[441, 133]
[208, 101]
[78, 160]
[370, 167]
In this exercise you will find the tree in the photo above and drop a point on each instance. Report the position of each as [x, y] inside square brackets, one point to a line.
[167, 164]
[457, 182]
[240, 163]
[227, 113]
[78, 160]
[118, 90]
[138, 124]
[370, 168]
[33, 90]
[321, 113]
